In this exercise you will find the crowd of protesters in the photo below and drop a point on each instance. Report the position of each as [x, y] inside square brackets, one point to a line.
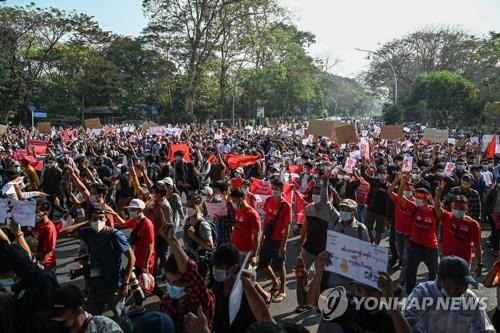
[266, 186]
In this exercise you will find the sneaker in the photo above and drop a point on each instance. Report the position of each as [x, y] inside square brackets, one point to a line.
[135, 310]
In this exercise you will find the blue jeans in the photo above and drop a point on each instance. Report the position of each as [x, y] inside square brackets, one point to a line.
[362, 213]
[98, 298]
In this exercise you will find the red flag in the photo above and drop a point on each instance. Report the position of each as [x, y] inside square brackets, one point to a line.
[184, 147]
[234, 161]
[295, 168]
[288, 193]
[260, 187]
[212, 159]
[493, 147]
[300, 211]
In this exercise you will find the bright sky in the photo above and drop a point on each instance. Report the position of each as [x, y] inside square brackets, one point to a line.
[339, 25]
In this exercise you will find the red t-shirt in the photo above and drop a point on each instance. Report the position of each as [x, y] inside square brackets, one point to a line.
[146, 236]
[247, 220]
[251, 200]
[459, 235]
[423, 230]
[403, 215]
[236, 183]
[46, 234]
[271, 208]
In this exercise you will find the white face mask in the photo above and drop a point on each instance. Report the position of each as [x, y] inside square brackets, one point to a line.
[459, 214]
[408, 194]
[220, 275]
[345, 216]
[316, 198]
[244, 190]
[340, 177]
[235, 206]
[276, 193]
[98, 225]
[133, 214]
[190, 211]
[218, 197]
[419, 202]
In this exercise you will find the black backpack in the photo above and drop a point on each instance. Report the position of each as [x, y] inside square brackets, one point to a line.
[215, 238]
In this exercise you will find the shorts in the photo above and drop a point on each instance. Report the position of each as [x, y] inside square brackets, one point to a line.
[269, 255]
[377, 220]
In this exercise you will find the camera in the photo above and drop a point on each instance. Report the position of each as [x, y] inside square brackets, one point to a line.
[135, 289]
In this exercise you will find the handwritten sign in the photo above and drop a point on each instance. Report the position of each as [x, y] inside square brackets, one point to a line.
[356, 259]
[323, 127]
[449, 168]
[407, 164]
[93, 123]
[434, 135]
[392, 132]
[19, 211]
[346, 133]
[3, 129]
[44, 127]
[349, 165]
[216, 209]
[260, 199]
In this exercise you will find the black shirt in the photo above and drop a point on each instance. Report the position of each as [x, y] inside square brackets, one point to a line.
[243, 318]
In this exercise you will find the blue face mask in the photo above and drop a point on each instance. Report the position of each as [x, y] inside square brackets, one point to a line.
[175, 292]
[345, 216]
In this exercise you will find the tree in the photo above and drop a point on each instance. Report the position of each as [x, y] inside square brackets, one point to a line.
[449, 98]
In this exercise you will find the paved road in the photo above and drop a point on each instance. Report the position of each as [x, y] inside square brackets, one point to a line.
[67, 250]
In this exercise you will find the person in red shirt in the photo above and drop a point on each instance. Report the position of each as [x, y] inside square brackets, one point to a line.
[142, 240]
[246, 230]
[461, 233]
[423, 239]
[276, 227]
[403, 214]
[46, 234]
[238, 180]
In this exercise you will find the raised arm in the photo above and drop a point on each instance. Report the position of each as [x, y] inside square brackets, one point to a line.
[167, 232]
[78, 183]
[437, 198]
[395, 182]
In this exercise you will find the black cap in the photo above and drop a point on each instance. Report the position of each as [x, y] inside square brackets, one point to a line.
[457, 269]
[226, 254]
[67, 297]
[99, 209]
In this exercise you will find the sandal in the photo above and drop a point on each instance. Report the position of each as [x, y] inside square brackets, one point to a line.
[303, 308]
[274, 290]
[279, 298]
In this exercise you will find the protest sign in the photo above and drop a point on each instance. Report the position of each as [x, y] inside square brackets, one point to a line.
[449, 168]
[259, 203]
[434, 135]
[349, 165]
[452, 141]
[260, 187]
[392, 132]
[19, 211]
[364, 148]
[39, 146]
[323, 127]
[44, 127]
[364, 132]
[156, 130]
[93, 123]
[355, 154]
[474, 139]
[216, 209]
[3, 129]
[356, 259]
[407, 164]
[346, 133]
[218, 136]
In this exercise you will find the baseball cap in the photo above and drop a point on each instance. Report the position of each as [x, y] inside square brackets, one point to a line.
[99, 209]
[136, 204]
[155, 321]
[65, 298]
[168, 181]
[207, 191]
[457, 269]
[349, 203]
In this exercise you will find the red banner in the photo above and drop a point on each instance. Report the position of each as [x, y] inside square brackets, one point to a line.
[260, 187]
[184, 147]
[40, 146]
[300, 208]
[296, 168]
[234, 161]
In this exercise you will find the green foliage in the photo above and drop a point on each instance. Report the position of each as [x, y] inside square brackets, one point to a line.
[391, 114]
[448, 97]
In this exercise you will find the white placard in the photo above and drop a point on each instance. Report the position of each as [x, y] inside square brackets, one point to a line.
[349, 165]
[216, 209]
[355, 154]
[474, 139]
[218, 137]
[259, 203]
[22, 212]
[452, 141]
[364, 132]
[356, 259]
[364, 148]
[407, 164]
[406, 129]
[449, 168]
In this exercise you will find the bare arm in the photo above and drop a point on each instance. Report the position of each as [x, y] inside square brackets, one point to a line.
[490, 279]
[255, 301]
[437, 199]
[167, 232]
[79, 185]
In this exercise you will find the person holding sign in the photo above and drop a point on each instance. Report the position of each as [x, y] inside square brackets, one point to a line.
[461, 234]
[423, 239]
[403, 215]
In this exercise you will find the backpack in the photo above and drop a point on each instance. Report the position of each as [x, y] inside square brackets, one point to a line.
[360, 229]
[213, 231]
